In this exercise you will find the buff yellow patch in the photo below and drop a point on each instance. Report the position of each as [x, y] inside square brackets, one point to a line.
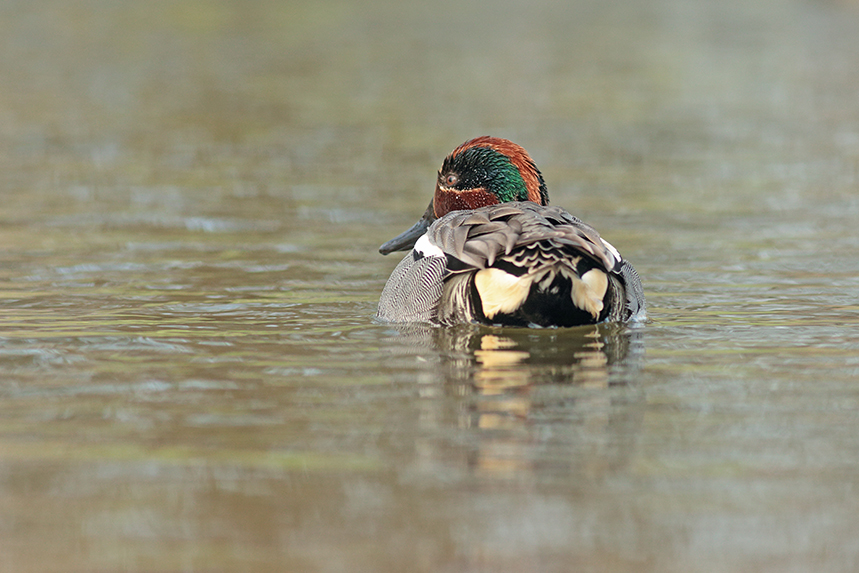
[589, 291]
[500, 292]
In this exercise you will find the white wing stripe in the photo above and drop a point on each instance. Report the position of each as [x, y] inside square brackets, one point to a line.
[611, 249]
[425, 247]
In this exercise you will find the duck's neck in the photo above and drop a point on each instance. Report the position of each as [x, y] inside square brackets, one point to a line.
[447, 200]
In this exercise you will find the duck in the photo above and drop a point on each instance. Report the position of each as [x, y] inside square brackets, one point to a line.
[489, 249]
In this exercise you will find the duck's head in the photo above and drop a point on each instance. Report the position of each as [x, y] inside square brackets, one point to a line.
[480, 172]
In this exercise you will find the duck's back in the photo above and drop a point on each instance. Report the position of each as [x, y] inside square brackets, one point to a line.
[516, 264]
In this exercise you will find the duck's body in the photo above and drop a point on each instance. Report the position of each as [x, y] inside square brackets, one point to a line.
[489, 250]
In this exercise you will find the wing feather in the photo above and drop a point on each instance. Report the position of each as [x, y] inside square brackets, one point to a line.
[478, 238]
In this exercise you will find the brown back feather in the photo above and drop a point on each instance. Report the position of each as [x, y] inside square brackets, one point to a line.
[477, 238]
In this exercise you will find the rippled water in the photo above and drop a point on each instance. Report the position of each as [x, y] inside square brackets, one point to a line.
[192, 198]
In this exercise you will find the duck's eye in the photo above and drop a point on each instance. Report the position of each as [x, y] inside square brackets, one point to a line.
[450, 180]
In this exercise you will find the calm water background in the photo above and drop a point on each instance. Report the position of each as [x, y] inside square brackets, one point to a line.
[193, 193]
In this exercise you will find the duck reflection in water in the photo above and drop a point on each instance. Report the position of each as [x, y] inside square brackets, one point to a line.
[534, 400]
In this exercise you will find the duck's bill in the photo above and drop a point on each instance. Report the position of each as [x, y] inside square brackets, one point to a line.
[407, 240]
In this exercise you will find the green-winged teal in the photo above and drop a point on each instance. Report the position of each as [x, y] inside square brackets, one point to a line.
[489, 249]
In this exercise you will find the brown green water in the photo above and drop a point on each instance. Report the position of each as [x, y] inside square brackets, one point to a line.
[191, 198]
